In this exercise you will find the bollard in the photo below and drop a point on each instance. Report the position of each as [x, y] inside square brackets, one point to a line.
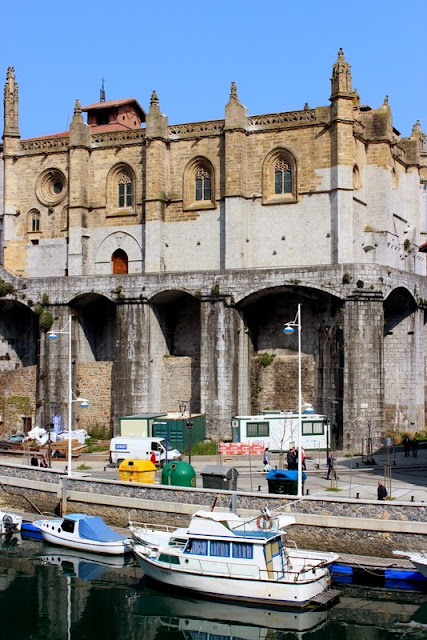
[412, 498]
[307, 491]
[357, 495]
[259, 487]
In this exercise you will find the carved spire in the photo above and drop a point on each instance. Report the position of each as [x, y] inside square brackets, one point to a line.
[341, 77]
[233, 91]
[154, 99]
[11, 125]
[102, 91]
[418, 134]
[385, 100]
[77, 108]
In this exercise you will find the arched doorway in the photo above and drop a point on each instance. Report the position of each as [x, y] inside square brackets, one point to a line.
[120, 262]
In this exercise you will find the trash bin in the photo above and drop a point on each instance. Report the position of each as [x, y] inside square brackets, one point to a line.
[218, 477]
[179, 474]
[284, 481]
[137, 471]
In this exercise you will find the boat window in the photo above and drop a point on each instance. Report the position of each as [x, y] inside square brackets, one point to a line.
[68, 526]
[242, 550]
[219, 548]
[164, 557]
[275, 547]
[197, 547]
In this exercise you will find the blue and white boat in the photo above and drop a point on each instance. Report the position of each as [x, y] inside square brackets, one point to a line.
[240, 559]
[87, 533]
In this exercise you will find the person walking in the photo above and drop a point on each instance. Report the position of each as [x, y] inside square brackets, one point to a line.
[266, 460]
[331, 467]
[381, 491]
[415, 445]
[291, 459]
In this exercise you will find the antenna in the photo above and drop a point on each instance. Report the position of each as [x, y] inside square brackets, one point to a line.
[102, 91]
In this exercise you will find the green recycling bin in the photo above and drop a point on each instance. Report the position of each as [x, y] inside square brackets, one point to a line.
[179, 474]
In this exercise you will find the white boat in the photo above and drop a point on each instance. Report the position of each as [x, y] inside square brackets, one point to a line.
[233, 558]
[10, 523]
[418, 559]
[87, 533]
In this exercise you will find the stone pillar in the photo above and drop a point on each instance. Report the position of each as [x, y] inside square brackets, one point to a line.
[236, 215]
[219, 325]
[342, 161]
[130, 374]
[78, 189]
[156, 135]
[363, 371]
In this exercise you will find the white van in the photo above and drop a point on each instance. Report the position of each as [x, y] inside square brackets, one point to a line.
[135, 448]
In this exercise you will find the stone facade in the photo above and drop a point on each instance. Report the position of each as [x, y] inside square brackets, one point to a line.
[182, 249]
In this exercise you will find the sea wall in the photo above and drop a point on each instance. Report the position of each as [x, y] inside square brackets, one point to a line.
[362, 527]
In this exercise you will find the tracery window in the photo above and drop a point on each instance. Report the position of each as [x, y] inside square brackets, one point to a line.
[124, 189]
[203, 184]
[279, 177]
[33, 221]
[199, 185]
[282, 177]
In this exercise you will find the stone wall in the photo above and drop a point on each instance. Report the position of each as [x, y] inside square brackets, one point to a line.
[346, 526]
[17, 399]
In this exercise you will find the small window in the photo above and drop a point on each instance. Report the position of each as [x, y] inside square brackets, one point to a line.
[197, 547]
[35, 221]
[124, 191]
[257, 429]
[203, 184]
[68, 526]
[219, 548]
[282, 177]
[242, 550]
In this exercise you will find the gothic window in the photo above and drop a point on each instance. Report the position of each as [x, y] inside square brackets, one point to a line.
[124, 191]
[282, 177]
[279, 177]
[121, 191]
[34, 221]
[199, 185]
[203, 184]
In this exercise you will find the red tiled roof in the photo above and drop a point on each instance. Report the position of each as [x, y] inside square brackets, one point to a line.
[115, 103]
[63, 134]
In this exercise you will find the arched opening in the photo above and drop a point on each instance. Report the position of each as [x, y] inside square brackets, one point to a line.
[120, 262]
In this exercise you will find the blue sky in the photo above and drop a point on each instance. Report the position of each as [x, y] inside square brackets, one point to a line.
[280, 55]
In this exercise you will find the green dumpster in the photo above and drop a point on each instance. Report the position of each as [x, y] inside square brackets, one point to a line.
[179, 474]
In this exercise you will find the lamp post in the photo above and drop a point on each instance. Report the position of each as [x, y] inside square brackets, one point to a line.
[288, 329]
[183, 405]
[53, 335]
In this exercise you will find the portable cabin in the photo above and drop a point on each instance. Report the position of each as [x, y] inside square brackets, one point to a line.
[140, 424]
[278, 430]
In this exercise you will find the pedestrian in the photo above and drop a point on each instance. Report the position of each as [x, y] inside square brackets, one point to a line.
[266, 460]
[303, 459]
[34, 460]
[415, 445]
[291, 459]
[382, 491]
[331, 465]
[153, 457]
[406, 445]
[43, 462]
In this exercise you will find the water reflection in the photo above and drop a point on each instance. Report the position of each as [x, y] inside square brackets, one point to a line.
[52, 593]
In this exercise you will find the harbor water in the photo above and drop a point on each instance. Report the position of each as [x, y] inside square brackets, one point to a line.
[50, 593]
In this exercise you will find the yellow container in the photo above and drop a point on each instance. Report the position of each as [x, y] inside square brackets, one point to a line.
[137, 471]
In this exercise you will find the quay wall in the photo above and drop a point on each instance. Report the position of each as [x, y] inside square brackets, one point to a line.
[363, 527]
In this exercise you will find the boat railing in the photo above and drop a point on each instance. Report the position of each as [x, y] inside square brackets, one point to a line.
[151, 528]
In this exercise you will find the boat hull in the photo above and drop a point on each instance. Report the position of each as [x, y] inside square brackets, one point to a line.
[291, 593]
[71, 541]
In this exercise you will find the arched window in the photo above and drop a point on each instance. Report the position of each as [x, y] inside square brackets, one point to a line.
[202, 184]
[199, 185]
[120, 198]
[124, 191]
[34, 221]
[279, 177]
[282, 177]
[120, 262]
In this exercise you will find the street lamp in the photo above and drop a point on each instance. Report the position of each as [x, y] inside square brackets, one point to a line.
[288, 329]
[183, 407]
[53, 335]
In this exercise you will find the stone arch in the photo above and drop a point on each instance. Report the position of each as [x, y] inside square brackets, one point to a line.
[279, 177]
[118, 240]
[195, 196]
[175, 349]
[121, 190]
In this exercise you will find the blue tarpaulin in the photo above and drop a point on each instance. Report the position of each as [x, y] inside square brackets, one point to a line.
[94, 528]
[284, 474]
